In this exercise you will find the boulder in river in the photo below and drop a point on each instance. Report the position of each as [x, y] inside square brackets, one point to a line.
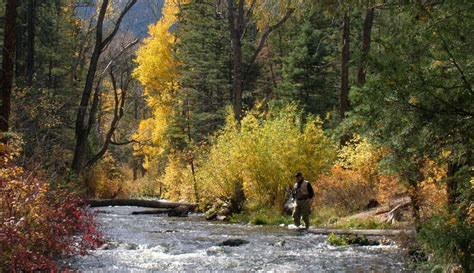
[233, 242]
[279, 243]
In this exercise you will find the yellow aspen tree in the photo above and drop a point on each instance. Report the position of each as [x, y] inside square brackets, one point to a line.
[157, 71]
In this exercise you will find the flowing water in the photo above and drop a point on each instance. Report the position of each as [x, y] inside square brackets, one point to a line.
[145, 243]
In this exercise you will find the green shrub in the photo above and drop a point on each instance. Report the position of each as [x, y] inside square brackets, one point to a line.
[259, 221]
[369, 223]
[450, 240]
[335, 240]
[343, 240]
[325, 216]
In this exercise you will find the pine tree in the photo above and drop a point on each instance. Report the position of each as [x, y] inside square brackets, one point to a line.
[308, 77]
[203, 50]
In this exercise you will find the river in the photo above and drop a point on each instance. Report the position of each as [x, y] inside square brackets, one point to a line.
[146, 243]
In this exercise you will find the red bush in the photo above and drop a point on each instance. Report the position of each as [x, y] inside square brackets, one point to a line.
[344, 189]
[37, 224]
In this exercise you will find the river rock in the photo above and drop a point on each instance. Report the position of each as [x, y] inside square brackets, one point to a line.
[211, 216]
[280, 243]
[102, 211]
[220, 211]
[118, 245]
[417, 255]
[233, 242]
[221, 218]
[164, 231]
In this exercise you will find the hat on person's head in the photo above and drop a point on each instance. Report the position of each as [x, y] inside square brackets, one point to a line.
[298, 174]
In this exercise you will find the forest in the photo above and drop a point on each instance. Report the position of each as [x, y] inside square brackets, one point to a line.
[219, 103]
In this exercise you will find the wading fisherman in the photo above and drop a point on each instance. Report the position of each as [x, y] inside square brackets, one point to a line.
[303, 194]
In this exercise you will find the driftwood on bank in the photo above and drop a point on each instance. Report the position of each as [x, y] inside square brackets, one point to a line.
[383, 212]
[365, 232]
[395, 215]
[139, 203]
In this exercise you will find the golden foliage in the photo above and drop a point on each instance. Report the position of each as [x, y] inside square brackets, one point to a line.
[177, 180]
[358, 154]
[263, 155]
[106, 179]
[157, 71]
[432, 190]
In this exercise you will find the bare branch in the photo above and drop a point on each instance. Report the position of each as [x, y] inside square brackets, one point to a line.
[109, 38]
[118, 114]
[250, 10]
[115, 58]
[124, 142]
[264, 38]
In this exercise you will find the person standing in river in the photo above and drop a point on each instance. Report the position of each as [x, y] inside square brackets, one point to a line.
[303, 194]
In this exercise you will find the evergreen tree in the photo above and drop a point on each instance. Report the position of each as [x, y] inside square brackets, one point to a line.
[419, 103]
[45, 97]
[205, 82]
[308, 77]
[203, 51]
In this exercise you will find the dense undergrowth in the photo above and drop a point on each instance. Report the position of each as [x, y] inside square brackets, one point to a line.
[38, 224]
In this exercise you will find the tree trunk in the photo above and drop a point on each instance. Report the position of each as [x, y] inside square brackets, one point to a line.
[135, 169]
[191, 155]
[344, 99]
[452, 186]
[466, 256]
[454, 206]
[366, 38]
[82, 130]
[19, 69]
[30, 46]
[235, 25]
[238, 18]
[8, 60]
[415, 204]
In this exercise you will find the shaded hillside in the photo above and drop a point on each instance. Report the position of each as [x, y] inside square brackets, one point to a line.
[144, 13]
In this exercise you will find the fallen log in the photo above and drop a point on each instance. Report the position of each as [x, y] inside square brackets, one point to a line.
[138, 203]
[155, 211]
[365, 232]
[181, 211]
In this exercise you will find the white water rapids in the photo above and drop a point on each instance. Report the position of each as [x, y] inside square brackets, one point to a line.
[149, 243]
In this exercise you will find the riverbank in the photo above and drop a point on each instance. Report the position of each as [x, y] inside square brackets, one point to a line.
[323, 218]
